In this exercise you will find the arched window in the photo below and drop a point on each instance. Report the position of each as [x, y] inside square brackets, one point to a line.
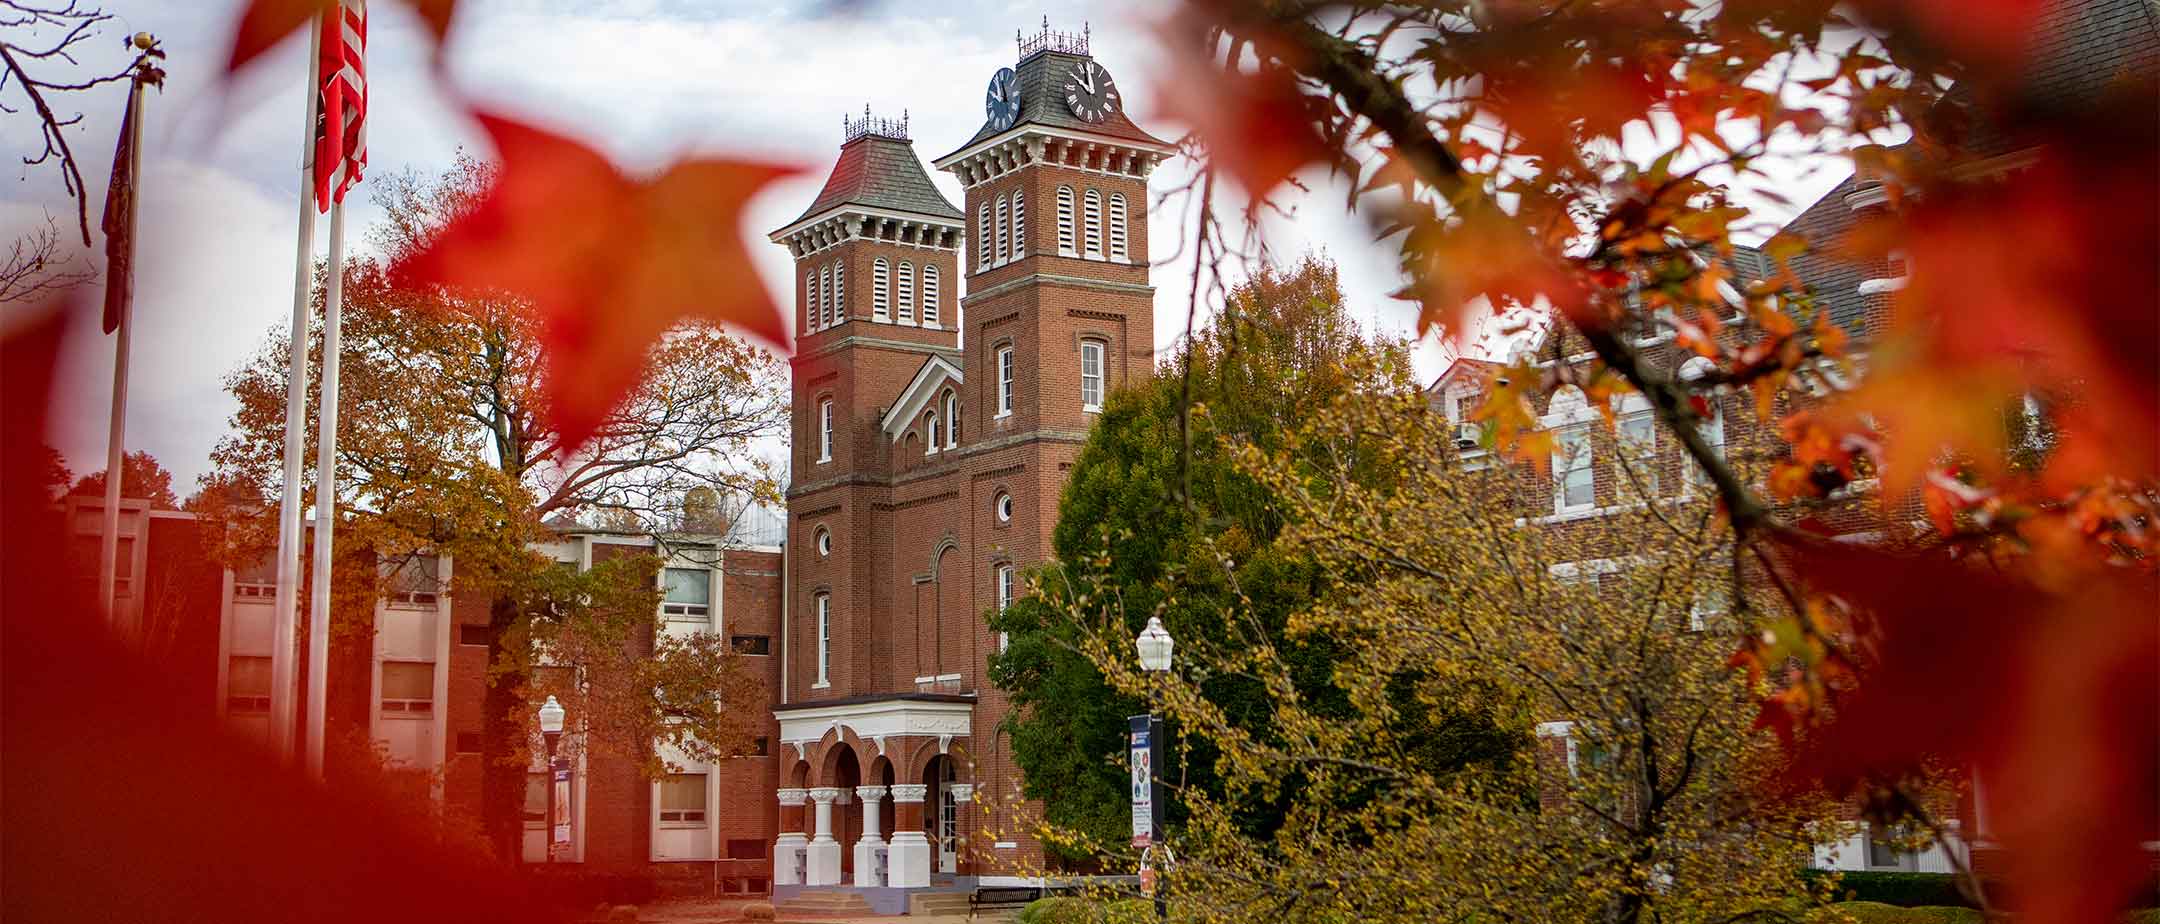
[1117, 226]
[930, 433]
[880, 298]
[907, 292]
[824, 640]
[810, 319]
[1004, 230]
[1091, 223]
[929, 295]
[1712, 429]
[982, 236]
[839, 289]
[1019, 225]
[1065, 220]
[1091, 375]
[952, 419]
[825, 299]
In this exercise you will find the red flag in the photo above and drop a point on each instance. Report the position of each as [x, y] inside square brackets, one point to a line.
[341, 136]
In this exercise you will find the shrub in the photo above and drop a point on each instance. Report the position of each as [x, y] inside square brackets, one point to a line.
[1061, 910]
[1906, 890]
[1879, 913]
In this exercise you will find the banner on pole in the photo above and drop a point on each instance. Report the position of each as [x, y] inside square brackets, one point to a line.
[559, 826]
[1143, 781]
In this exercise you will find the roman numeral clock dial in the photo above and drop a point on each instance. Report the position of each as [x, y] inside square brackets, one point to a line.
[1089, 93]
[1001, 103]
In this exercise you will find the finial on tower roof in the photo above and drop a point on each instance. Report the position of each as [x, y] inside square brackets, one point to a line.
[895, 129]
[1047, 40]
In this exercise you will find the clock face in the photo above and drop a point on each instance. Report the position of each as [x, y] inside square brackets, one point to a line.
[1089, 92]
[1001, 103]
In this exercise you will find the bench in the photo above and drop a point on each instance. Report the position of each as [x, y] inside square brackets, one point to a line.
[998, 896]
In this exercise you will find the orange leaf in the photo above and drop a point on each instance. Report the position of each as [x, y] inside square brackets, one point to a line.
[609, 263]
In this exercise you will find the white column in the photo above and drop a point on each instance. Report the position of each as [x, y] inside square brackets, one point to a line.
[867, 849]
[823, 854]
[788, 847]
[908, 859]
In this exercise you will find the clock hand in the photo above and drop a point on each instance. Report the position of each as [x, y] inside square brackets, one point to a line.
[1087, 79]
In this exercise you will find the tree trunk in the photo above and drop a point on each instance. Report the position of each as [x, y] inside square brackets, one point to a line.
[502, 739]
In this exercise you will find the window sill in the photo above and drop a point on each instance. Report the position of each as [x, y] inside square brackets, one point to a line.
[825, 461]
[1001, 415]
[1091, 408]
[821, 685]
[683, 826]
[1570, 514]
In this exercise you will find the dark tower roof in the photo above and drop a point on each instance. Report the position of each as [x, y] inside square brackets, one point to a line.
[1043, 63]
[878, 169]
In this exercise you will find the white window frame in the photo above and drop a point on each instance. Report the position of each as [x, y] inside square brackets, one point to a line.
[1005, 583]
[824, 641]
[1633, 411]
[698, 611]
[1002, 506]
[929, 295]
[1092, 383]
[1065, 241]
[1569, 421]
[812, 320]
[704, 811]
[1004, 231]
[952, 419]
[880, 288]
[839, 290]
[1712, 430]
[825, 299]
[1004, 381]
[1117, 227]
[1091, 225]
[823, 542]
[982, 237]
[1019, 224]
[931, 434]
[824, 430]
[904, 293]
[404, 709]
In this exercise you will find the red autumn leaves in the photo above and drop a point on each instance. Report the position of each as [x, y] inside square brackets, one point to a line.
[608, 262]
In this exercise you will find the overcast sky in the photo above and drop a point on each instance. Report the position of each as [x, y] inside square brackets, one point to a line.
[644, 80]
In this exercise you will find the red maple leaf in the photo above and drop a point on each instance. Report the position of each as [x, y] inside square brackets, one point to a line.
[609, 262]
[264, 23]
[2048, 694]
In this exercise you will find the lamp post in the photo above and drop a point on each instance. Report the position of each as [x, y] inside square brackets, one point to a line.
[551, 726]
[1154, 646]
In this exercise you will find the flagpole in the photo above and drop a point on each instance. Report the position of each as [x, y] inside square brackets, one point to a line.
[109, 554]
[282, 676]
[325, 496]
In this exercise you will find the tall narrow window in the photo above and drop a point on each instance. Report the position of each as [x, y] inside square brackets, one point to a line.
[1091, 221]
[930, 429]
[1712, 428]
[1065, 220]
[1004, 600]
[952, 419]
[1004, 230]
[824, 446]
[1019, 225]
[906, 295]
[1004, 380]
[982, 236]
[1574, 484]
[1638, 448]
[825, 300]
[810, 317]
[839, 289]
[929, 295]
[880, 296]
[824, 640]
[1091, 374]
[1117, 226]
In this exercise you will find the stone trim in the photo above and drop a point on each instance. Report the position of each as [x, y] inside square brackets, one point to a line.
[1080, 282]
[864, 340]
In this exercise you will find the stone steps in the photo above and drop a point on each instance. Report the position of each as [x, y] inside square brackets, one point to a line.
[928, 903]
[824, 904]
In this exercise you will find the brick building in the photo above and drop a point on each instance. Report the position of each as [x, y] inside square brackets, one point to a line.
[932, 434]
[2080, 49]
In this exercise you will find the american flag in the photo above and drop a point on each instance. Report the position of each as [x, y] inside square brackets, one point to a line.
[341, 136]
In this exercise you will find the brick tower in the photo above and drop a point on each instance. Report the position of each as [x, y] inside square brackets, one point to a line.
[932, 435]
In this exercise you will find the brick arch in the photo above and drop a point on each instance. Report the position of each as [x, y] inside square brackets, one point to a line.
[838, 740]
[798, 775]
[920, 753]
[945, 543]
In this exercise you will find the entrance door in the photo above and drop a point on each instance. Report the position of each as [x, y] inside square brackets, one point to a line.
[948, 821]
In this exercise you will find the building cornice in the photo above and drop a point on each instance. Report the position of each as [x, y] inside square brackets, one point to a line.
[1055, 279]
[950, 354]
